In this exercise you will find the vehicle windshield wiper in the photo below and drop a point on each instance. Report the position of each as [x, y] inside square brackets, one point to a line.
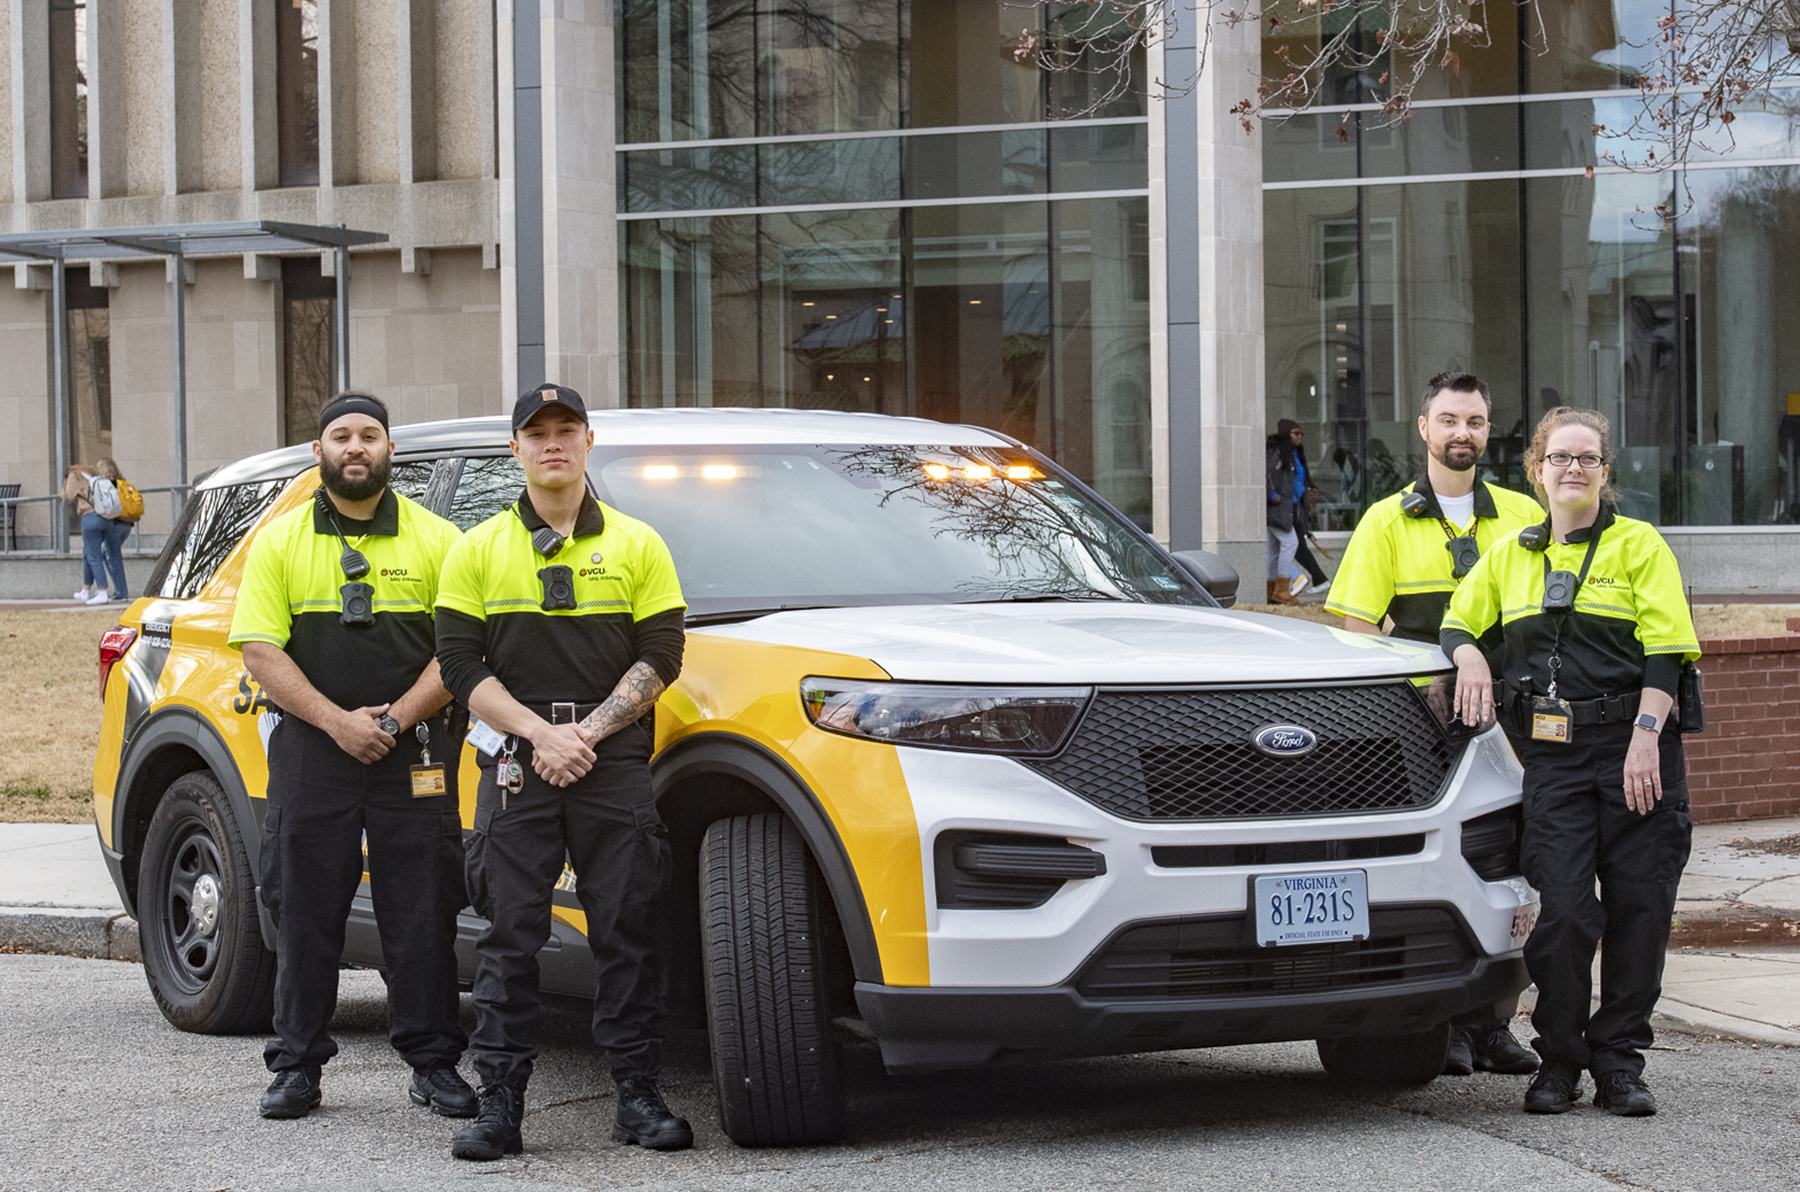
[1072, 595]
[744, 614]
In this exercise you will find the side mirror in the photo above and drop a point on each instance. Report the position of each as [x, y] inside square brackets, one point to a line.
[1219, 578]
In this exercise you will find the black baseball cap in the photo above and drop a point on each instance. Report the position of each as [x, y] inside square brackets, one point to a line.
[544, 396]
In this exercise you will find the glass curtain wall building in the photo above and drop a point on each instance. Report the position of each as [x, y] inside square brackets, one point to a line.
[870, 205]
[1487, 233]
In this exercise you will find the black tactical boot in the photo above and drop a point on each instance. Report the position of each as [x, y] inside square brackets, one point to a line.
[1496, 1050]
[495, 1130]
[1553, 1089]
[1623, 1094]
[292, 1094]
[444, 1090]
[1459, 1060]
[645, 1120]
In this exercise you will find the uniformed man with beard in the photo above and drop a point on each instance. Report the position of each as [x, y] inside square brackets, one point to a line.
[335, 620]
[1405, 560]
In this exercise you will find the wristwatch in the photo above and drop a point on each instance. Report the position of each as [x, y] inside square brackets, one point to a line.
[1648, 722]
[391, 727]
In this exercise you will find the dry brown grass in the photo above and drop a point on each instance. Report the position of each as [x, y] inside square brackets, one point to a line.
[49, 713]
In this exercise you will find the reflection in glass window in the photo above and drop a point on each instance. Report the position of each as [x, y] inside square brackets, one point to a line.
[768, 526]
[1031, 318]
[308, 346]
[486, 486]
[68, 99]
[90, 372]
[297, 89]
[1371, 292]
[212, 525]
[412, 478]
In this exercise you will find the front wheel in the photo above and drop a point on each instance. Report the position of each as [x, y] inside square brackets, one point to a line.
[1401, 1061]
[203, 948]
[775, 1064]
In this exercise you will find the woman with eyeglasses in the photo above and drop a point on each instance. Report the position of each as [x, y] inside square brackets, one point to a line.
[1596, 633]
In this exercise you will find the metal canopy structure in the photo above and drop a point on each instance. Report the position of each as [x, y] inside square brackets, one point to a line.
[176, 243]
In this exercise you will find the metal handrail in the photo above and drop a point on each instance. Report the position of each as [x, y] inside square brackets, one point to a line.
[9, 521]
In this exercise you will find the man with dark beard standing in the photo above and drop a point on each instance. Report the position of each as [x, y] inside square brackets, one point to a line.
[1409, 553]
[335, 620]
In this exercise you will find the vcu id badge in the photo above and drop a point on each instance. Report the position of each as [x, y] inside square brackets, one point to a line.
[427, 779]
[1552, 719]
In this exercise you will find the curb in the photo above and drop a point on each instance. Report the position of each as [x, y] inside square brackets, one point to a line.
[95, 934]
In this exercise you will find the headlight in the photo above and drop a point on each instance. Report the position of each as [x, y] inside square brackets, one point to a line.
[987, 719]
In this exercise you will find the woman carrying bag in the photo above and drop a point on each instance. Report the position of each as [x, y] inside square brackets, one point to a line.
[1596, 634]
[103, 498]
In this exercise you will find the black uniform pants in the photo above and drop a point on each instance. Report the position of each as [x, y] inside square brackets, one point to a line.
[322, 802]
[1578, 829]
[607, 826]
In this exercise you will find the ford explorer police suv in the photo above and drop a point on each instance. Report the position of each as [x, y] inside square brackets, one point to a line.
[961, 766]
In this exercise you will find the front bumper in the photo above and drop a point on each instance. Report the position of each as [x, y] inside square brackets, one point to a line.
[923, 1030]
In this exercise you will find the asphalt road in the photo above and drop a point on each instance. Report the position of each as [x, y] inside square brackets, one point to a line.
[98, 1092]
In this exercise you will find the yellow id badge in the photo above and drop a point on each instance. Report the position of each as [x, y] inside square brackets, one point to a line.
[428, 781]
[1552, 720]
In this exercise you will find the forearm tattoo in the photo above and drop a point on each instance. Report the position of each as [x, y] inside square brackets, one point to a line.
[636, 693]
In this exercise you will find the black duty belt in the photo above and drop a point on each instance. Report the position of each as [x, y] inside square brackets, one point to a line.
[564, 713]
[1607, 709]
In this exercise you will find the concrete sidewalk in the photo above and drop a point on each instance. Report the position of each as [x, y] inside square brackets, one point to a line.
[56, 896]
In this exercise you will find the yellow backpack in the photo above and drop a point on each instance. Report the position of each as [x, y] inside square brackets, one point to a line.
[131, 501]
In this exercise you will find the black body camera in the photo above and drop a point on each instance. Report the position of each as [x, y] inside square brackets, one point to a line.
[1559, 591]
[559, 587]
[1465, 552]
[359, 602]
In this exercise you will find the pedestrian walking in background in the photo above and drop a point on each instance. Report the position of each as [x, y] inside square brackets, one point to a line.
[1286, 489]
[99, 491]
[1595, 638]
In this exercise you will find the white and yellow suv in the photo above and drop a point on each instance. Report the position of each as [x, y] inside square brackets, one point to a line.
[960, 763]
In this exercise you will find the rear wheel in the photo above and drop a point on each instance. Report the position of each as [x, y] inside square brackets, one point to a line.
[203, 948]
[775, 1064]
[1397, 1060]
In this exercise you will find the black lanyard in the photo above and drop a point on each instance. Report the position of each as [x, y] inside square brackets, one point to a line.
[1555, 659]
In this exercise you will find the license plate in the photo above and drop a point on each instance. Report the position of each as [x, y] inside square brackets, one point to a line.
[1312, 908]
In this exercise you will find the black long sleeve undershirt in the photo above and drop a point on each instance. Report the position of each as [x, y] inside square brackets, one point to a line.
[1661, 671]
[661, 640]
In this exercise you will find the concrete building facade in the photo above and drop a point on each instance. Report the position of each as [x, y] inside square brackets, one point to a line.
[875, 205]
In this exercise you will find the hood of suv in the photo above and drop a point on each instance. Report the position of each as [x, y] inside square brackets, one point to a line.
[1088, 643]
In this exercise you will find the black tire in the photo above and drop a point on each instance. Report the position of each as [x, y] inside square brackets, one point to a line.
[1401, 1061]
[775, 1062]
[202, 943]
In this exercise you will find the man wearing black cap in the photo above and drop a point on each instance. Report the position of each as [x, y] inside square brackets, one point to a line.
[334, 618]
[560, 622]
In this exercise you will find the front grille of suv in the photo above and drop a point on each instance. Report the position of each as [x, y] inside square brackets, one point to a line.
[1188, 755]
[1217, 957]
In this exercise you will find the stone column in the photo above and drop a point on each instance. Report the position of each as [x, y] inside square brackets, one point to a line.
[581, 252]
[1210, 487]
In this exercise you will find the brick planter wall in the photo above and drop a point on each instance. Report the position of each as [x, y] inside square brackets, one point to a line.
[1746, 765]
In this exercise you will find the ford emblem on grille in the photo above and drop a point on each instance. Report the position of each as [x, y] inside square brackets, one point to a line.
[1286, 740]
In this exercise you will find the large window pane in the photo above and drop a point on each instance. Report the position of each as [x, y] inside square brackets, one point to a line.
[1591, 45]
[1371, 291]
[1031, 317]
[297, 89]
[1743, 423]
[834, 311]
[690, 292]
[697, 69]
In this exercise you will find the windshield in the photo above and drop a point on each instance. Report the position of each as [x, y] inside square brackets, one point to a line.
[766, 527]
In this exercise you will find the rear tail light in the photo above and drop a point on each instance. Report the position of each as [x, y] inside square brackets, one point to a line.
[114, 645]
